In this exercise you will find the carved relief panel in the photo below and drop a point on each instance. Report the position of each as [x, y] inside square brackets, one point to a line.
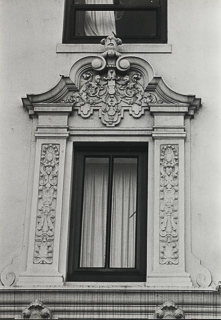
[111, 94]
[169, 195]
[109, 85]
[47, 200]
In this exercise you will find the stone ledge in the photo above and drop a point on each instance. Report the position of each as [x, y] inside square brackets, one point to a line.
[124, 48]
[85, 304]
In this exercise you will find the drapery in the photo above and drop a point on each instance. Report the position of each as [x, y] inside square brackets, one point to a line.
[94, 216]
[99, 23]
[123, 213]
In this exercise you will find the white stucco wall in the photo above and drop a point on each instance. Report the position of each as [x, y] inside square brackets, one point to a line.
[30, 30]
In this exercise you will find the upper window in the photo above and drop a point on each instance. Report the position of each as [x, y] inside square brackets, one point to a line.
[87, 21]
[109, 214]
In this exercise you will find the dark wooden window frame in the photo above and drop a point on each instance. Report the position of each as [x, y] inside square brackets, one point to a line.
[137, 274]
[69, 22]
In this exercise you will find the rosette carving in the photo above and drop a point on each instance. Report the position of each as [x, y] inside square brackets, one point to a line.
[47, 201]
[169, 194]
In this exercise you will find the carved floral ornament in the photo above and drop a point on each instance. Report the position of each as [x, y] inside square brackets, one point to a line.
[111, 87]
[111, 95]
[110, 84]
[47, 201]
[169, 194]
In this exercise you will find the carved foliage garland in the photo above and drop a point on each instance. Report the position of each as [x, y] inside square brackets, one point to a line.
[169, 192]
[111, 87]
[111, 94]
[47, 201]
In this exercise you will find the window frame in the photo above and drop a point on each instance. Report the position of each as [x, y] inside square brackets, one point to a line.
[69, 14]
[137, 274]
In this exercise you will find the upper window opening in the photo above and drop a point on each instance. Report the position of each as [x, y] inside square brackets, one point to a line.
[87, 21]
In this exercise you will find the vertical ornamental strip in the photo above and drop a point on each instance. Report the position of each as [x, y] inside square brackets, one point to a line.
[168, 258]
[169, 197]
[47, 202]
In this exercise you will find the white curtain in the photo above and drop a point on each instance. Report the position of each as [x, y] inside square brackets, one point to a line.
[123, 216]
[123, 213]
[99, 23]
[93, 237]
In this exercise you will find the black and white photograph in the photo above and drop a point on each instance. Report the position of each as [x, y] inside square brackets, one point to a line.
[110, 159]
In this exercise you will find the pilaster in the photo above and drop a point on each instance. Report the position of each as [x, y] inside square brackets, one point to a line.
[168, 268]
[46, 210]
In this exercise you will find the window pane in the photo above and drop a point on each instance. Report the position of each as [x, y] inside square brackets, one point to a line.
[123, 215]
[139, 2]
[123, 23]
[94, 216]
[93, 1]
[137, 24]
[120, 2]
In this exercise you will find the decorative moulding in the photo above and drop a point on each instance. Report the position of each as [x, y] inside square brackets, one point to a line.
[108, 88]
[169, 311]
[169, 197]
[125, 48]
[36, 310]
[111, 84]
[47, 202]
[72, 303]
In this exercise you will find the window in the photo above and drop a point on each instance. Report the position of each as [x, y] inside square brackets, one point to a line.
[88, 21]
[109, 213]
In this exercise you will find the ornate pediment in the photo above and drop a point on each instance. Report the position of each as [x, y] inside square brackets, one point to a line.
[112, 84]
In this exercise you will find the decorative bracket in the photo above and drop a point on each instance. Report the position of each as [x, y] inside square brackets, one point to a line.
[36, 310]
[169, 310]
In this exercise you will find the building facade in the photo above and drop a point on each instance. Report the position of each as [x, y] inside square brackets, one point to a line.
[130, 127]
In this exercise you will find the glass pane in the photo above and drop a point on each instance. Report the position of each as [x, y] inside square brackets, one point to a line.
[124, 23]
[120, 2]
[139, 2]
[93, 2]
[94, 215]
[136, 24]
[123, 213]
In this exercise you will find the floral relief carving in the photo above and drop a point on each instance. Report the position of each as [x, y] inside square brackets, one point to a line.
[111, 88]
[169, 193]
[47, 200]
[111, 95]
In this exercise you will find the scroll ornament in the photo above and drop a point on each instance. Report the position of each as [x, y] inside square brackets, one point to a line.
[169, 192]
[47, 200]
[111, 88]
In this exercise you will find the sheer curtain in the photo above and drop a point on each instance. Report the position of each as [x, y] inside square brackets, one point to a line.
[99, 23]
[123, 213]
[93, 237]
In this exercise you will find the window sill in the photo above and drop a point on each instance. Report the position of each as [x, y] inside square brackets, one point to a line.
[124, 48]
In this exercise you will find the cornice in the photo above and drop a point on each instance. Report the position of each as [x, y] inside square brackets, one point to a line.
[110, 303]
[112, 83]
[171, 97]
[50, 97]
